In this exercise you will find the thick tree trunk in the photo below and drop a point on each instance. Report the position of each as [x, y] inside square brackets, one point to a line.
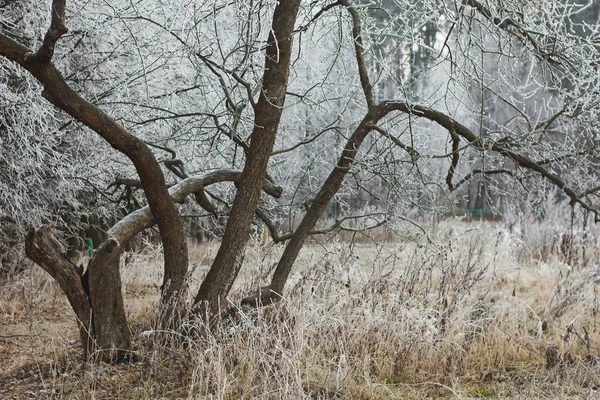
[110, 338]
[105, 326]
[104, 279]
[92, 289]
[212, 294]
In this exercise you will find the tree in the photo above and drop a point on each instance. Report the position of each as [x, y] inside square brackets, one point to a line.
[44, 178]
[422, 144]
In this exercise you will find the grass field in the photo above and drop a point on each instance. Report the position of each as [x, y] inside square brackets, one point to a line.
[465, 310]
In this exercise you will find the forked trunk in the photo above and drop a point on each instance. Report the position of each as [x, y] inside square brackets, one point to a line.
[45, 250]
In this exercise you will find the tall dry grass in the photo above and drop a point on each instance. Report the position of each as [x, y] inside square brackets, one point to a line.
[468, 310]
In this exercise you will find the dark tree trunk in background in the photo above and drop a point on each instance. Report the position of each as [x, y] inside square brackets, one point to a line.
[212, 294]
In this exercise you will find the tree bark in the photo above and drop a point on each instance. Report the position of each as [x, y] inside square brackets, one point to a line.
[124, 230]
[336, 177]
[42, 247]
[110, 322]
[217, 284]
[45, 250]
[328, 190]
[58, 92]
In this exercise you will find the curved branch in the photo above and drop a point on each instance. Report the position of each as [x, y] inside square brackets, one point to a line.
[305, 141]
[142, 219]
[523, 161]
[177, 167]
[323, 10]
[58, 92]
[42, 248]
[163, 148]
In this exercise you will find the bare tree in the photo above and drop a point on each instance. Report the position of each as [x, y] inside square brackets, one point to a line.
[252, 108]
[267, 114]
[104, 278]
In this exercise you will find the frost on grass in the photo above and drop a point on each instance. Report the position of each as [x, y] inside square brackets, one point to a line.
[458, 312]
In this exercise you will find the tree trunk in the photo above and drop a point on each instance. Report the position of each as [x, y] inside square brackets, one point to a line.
[217, 284]
[42, 247]
[328, 190]
[93, 289]
[104, 279]
[106, 325]
[58, 92]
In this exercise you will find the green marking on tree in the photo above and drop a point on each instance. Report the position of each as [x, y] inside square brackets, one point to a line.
[89, 244]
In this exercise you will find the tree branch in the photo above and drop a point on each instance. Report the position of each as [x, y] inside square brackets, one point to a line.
[471, 174]
[59, 93]
[305, 141]
[455, 158]
[517, 30]
[46, 251]
[360, 54]
[57, 29]
[142, 219]
[323, 10]
[523, 161]
[338, 225]
[414, 154]
[279, 238]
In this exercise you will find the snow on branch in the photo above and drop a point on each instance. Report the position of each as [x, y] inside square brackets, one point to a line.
[142, 219]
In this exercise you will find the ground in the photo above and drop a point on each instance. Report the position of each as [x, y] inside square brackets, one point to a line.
[464, 310]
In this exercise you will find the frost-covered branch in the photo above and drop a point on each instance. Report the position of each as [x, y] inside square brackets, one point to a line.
[465, 133]
[142, 219]
[359, 53]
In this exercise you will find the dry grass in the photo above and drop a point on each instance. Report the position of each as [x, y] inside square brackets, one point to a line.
[469, 312]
